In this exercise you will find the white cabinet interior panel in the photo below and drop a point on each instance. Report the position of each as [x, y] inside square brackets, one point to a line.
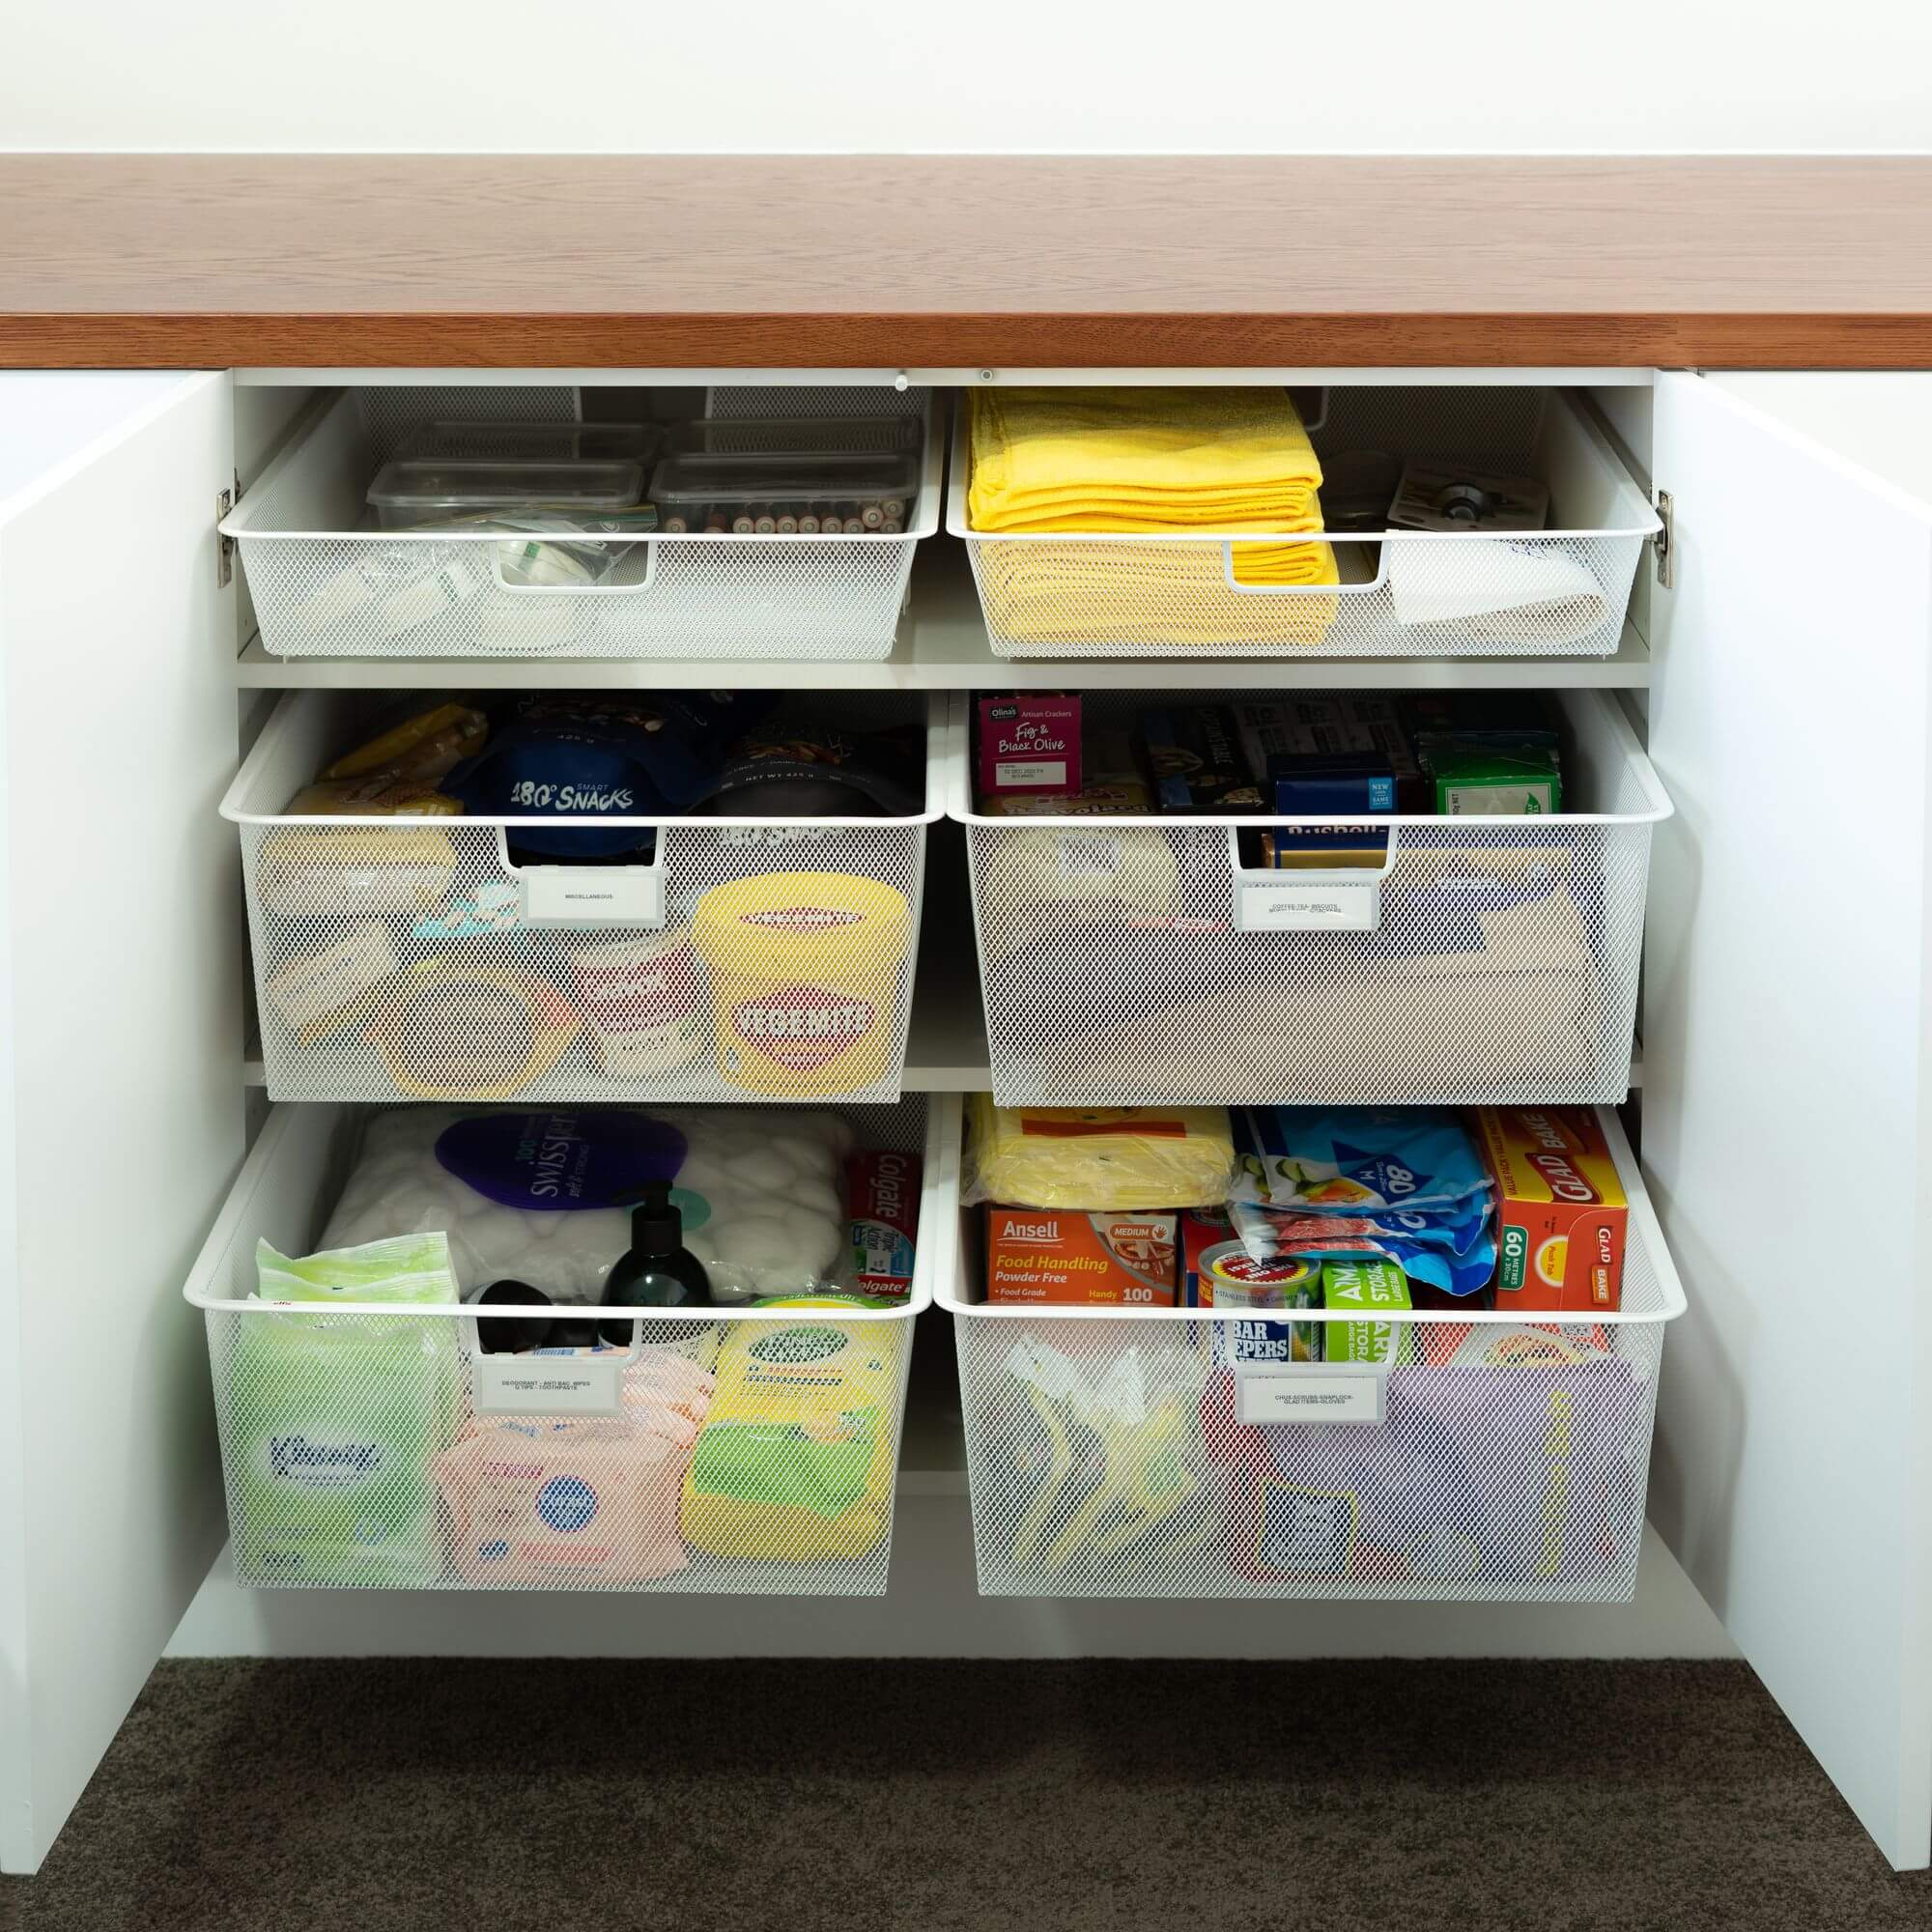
[1786, 1127]
[120, 1121]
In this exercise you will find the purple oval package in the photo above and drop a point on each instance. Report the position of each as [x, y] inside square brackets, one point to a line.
[566, 1158]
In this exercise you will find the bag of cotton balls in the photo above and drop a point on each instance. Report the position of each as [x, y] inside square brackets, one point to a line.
[762, 1193]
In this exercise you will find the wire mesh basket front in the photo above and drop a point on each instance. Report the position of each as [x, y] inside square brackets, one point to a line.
[1559, 592]
[324, 585]
[750, 1453]
[1107, 1454]
[356, 1455]
[403, 958]
[1106, 1461]
[1504, 967]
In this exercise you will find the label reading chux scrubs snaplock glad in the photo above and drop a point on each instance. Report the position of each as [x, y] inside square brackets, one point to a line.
[805, 974]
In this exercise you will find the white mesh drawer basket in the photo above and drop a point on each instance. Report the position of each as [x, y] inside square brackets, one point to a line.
[1560, 592]
[1134, 961]
[410, 959]
[1481, 1457]
[324, 583]
[378, 1444]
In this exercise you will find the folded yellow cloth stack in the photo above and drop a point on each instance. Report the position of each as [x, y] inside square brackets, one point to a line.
[1155, 462]
[1147, 461]
[1128, 596]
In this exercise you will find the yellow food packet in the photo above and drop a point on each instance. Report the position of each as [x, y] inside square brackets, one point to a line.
[423, 747]
[1102, 1159]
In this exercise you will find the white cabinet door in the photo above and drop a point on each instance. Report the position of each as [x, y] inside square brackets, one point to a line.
[1787, 1100]
[121, 1116]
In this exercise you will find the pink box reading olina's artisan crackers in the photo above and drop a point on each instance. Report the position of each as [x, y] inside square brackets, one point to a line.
[1028, 743]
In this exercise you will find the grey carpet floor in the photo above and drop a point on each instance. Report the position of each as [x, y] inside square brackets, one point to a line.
[377, 1796]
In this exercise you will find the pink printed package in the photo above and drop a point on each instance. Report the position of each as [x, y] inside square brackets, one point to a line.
[1030, 742]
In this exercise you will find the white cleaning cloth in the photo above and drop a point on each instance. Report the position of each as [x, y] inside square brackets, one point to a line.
[1498, 591]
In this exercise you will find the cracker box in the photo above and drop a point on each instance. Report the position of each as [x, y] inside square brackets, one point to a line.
[1561, 1216]
[1055, 1255]
[1028, 743]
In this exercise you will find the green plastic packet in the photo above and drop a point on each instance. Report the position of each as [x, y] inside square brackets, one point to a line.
[333, 1419]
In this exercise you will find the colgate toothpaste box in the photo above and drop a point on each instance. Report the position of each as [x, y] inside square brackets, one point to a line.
[1030, 742]
[1561, 1216]
[882, 1200]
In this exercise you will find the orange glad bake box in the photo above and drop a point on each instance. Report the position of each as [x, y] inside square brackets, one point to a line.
[1561, 1216]
[1065, 1254]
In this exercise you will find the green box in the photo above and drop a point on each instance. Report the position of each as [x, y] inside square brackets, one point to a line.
[1377, 1287]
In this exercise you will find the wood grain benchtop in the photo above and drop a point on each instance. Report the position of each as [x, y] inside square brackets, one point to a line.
[940, 262]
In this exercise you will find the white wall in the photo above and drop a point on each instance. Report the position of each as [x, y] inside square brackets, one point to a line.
[1000, 76]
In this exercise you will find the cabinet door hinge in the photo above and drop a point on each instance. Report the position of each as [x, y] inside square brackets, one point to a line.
[1666, 540]
[224, 547]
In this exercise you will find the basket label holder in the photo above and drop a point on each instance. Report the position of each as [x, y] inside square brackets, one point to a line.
[1309, 899]
[581, 898]
[585, 899]
[1310, 1392]
[539, 1385]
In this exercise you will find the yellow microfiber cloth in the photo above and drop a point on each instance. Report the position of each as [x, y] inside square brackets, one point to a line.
[1124, 594]
[1141, 461]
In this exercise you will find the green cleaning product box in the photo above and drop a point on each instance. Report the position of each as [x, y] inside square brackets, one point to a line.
[1377, 1289]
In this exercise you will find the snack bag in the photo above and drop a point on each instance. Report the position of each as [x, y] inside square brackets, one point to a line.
[795, 1461]
[1355, 1160]
[1421, 1254]
[397, 772]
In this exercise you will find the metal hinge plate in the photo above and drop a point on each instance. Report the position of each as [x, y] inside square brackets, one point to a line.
[224, 547]
[1666, 540]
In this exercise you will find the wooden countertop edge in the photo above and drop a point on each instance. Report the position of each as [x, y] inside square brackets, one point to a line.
[755, 340]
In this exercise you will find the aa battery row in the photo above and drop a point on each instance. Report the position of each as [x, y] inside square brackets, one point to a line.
[880, 516]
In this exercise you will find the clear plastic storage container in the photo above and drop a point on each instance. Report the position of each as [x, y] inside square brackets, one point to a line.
[1490, 1457]
[1128, 960]
[741, 1450]
[412, 490]
[837, 434]
[536, 442]
[747, 493]
[411, 958]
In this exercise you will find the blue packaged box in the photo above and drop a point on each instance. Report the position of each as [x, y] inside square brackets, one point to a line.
[1338, 782]
[1331, 781]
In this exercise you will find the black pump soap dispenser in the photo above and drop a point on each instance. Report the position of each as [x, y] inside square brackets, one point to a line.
[657, 1270]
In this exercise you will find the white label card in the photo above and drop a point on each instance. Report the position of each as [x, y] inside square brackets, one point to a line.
[1267, 1392]
[1030, 775]
[549, 1385]
[580, 897]
[1307, 902]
